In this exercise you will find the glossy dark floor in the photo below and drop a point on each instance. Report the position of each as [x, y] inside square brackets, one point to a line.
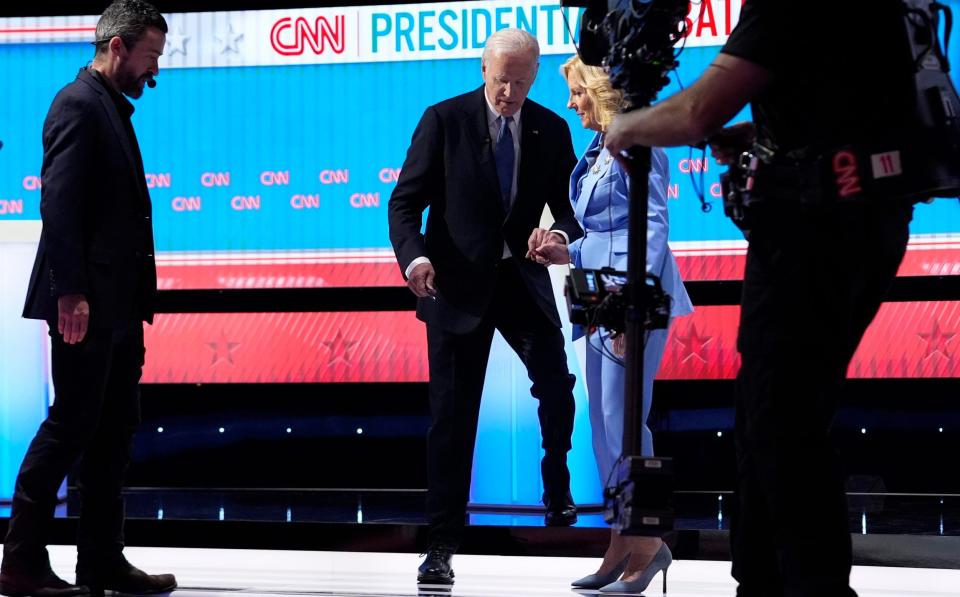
[869, 514]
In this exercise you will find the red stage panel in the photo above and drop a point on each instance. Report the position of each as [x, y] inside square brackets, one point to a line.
[923, 258]
[703, 345]
[286, 347]
[918, 339]
[910, 339]
[378, 268]
[251, 274]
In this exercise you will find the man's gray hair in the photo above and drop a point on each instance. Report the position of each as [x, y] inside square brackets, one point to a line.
[511, 41]
[128, 20]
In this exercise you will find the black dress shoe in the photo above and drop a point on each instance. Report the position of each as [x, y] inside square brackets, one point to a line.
[44, 584]
[561, 512]
[125, 578]
[436, 568]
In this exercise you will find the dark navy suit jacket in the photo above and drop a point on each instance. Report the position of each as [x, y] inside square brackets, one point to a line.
[97, 237]
[450, 168]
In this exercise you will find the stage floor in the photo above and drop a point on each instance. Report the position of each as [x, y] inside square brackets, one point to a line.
[229, 572]
[918, 531]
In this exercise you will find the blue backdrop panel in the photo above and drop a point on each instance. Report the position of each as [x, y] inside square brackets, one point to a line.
[24, 392]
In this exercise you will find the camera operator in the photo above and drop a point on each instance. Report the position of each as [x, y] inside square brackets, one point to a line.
[819, 76]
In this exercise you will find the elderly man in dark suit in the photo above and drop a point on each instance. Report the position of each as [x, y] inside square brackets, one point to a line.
[94, 281]
[485, 163]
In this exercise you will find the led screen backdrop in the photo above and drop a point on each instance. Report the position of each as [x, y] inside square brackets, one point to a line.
[274, 138]
[272, 143]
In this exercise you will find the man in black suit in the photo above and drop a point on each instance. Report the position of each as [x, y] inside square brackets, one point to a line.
[485, 163]
[94, 282]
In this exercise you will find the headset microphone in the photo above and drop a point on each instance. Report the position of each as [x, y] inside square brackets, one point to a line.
[150, 82]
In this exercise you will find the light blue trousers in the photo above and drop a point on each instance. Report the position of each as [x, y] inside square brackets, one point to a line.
[605, 384]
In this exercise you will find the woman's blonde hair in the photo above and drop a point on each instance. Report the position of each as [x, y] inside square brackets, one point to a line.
[606, 100]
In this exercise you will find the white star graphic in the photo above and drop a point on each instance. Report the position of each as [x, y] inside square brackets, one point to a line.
[229, 42]
[177, 43]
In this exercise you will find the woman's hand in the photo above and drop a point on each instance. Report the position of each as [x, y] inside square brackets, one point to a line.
[550, 252]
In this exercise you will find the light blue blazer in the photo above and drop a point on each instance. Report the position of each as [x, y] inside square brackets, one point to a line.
[600, 192]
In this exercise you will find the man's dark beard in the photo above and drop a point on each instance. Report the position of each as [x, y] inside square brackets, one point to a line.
[131, 86]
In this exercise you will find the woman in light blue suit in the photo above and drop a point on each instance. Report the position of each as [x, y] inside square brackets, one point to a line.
[599, 190]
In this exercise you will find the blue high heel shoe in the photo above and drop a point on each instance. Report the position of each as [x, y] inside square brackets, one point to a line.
[595, 581]
[660, 562]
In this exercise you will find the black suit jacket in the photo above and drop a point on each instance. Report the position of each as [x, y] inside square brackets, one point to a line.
[97, 237]
[450, 168]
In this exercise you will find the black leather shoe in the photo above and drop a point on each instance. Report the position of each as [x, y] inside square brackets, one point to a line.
[44, 584]
[436, 568]
[561, 512]
[125, 578]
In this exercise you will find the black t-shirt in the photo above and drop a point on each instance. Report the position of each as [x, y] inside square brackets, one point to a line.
[840, 71]
[125, 109]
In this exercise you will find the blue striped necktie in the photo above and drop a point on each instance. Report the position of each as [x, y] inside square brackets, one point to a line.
[505, 158]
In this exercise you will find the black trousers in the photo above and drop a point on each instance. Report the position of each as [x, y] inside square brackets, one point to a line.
[93, 418]
[814, 280]
[458, 364]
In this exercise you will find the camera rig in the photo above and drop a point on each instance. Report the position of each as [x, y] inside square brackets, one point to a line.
[919, 161]
[634, 41]
[598, 297]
